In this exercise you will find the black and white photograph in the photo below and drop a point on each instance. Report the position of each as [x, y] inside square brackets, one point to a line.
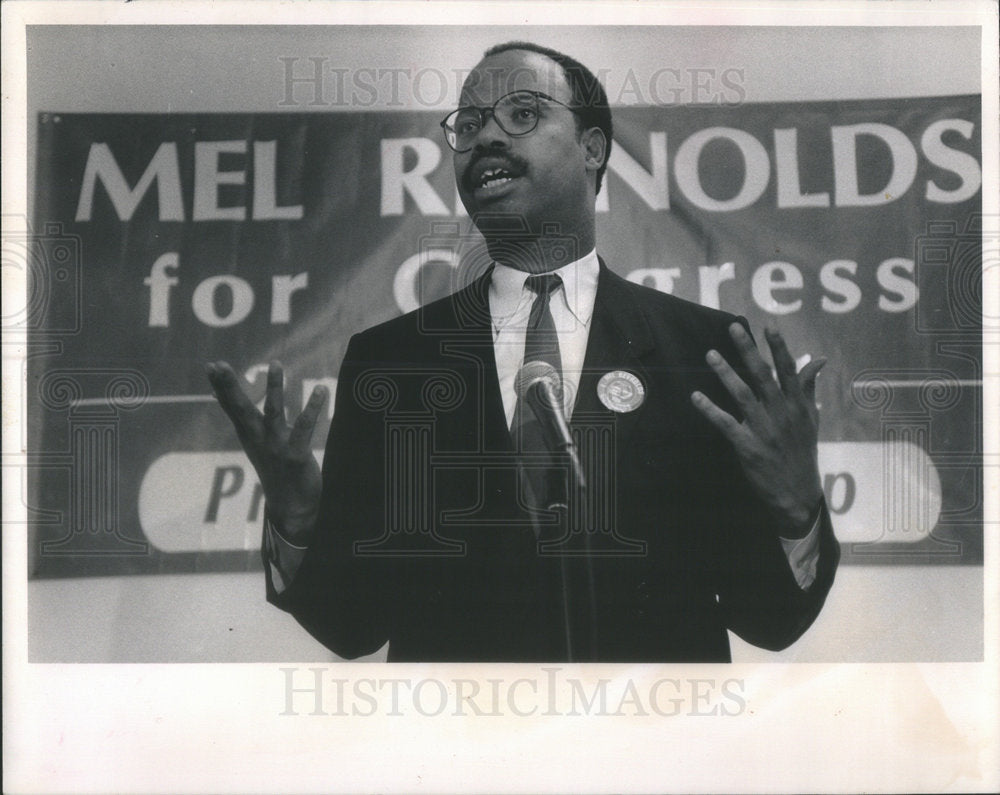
[454, 396]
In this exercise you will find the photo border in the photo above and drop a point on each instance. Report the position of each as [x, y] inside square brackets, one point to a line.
[220, 727]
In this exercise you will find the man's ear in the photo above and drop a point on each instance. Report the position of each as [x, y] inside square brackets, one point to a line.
[595, 147]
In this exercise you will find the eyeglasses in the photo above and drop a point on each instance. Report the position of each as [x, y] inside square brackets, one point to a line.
[515, 113]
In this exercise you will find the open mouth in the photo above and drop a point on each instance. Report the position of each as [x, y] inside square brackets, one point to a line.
[494, 178]
[490, 177]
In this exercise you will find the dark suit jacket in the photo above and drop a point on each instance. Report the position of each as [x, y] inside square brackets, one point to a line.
[422, 541]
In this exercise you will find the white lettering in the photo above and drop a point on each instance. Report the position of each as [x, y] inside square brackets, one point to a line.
[163, 168]
[890, 280]
[650, 186]
[396, 182]
[405, 283]
[282, 288]
[203, 301]
[710, 277]
[962, 164]
[756, 169]
[847, 290]
[776, 276]
[208, 178]
[265, 191]
[159, 284]
[602, 204]
[788, 183]
[903, 159]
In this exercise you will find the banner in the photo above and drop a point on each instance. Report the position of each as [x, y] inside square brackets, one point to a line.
[161, 242]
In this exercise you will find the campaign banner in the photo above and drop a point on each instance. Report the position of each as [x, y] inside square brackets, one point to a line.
[162, 241]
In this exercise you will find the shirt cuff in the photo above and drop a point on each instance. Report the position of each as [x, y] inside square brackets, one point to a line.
[283, 557]
[803, 554]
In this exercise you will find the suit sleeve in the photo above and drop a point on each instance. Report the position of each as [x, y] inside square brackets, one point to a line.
[338, 594]
[758, 593]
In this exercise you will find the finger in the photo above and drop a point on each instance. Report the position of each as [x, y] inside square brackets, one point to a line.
[305, 423]
[736, 386]
[229, 393]
[807, 378]
[759, 370]
[722, 420]
[784, 364]
[274, 400]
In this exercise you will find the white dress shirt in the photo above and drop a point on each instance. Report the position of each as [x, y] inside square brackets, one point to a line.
[572, 308]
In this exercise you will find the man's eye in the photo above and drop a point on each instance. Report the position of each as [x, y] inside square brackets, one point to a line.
[465, 126]
[525, 114]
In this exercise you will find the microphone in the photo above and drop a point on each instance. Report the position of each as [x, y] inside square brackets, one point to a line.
[539, 385]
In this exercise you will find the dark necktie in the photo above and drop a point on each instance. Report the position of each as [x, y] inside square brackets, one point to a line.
[544, 483]
[541, 342]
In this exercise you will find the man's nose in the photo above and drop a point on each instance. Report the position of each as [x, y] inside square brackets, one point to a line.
[491, 135]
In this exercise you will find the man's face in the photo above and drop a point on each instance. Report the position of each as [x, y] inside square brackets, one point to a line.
[543, 176]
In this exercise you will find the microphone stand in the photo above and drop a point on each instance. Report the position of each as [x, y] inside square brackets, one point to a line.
[540, 388]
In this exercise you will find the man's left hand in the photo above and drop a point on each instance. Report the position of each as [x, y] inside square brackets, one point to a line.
[776, 441]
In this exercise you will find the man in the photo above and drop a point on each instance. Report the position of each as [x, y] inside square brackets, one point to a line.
[450, 518]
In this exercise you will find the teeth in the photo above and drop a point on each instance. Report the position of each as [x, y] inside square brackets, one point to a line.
[494, 176]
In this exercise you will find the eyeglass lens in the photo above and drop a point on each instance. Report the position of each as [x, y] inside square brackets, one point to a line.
[517, 114]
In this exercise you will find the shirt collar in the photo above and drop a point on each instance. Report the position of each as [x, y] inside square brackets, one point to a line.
[579, 280]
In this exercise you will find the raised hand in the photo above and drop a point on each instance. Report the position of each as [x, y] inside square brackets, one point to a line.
[777, 440]
[281, 454]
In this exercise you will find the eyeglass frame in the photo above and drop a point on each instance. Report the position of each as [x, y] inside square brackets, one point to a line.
[491, 109]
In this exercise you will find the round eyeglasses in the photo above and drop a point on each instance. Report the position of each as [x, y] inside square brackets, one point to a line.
[515, 113]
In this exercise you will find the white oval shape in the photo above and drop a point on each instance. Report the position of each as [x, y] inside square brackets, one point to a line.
[202, 502]
[887, 492]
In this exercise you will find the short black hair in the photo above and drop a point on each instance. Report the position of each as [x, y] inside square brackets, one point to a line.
[589, 98]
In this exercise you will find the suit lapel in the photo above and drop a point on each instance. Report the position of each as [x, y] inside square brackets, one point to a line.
[473, 342]
[619, 339]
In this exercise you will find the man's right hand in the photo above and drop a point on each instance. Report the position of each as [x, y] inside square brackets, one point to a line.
[281, 454]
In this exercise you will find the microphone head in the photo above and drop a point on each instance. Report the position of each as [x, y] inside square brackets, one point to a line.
[532, 373]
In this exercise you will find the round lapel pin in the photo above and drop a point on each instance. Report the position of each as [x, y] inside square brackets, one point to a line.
[621, 391]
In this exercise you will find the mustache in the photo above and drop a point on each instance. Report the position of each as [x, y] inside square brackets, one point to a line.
[510, 162]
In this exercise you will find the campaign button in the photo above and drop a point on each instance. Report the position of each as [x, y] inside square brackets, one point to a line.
[621, 391]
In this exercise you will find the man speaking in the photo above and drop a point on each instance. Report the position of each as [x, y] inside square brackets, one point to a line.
[552, 463]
